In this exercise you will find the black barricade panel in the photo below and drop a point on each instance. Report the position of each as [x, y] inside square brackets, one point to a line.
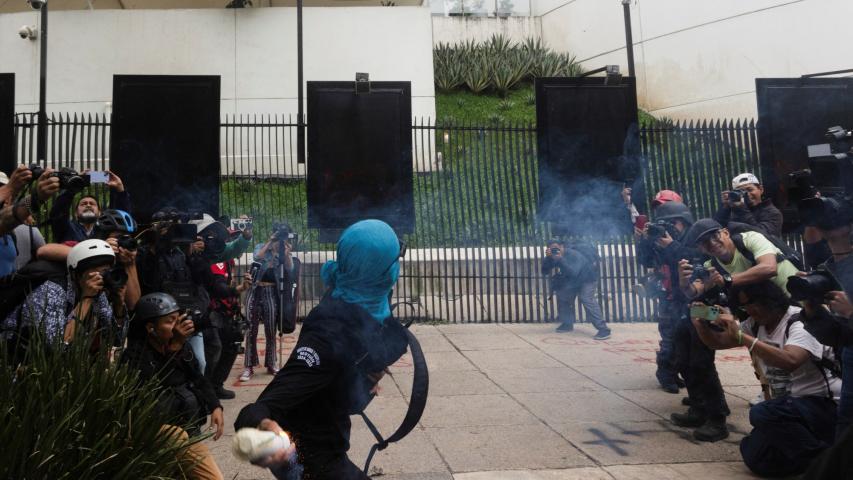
[359, 155]
[7, 122]
[588, 152]
[794, 113]
[164, 142]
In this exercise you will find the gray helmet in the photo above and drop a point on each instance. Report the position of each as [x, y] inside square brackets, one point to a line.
[674, 211]
[155, 305]
[700, 230]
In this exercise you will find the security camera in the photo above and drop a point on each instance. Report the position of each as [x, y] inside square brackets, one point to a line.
[28, 32]
[36, 4]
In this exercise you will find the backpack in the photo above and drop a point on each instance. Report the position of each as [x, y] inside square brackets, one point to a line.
[15, 287]
[788, 253]
[587, 249]
[826, 363]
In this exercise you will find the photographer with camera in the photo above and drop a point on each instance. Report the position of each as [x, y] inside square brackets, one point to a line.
[573, 271]
[15, 211]
[263, 302]
[745, 203]
[211, 256]
[87, 210]
[158, 349]
[797, 420]
[659, 248]
[87, 297]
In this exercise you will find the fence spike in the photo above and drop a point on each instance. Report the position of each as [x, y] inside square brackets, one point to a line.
[738, 124]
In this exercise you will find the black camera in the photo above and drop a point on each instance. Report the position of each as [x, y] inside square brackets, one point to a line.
[735, 196]
[69, 179]
[555, 251]
[813, 286]
[173, 215]
[657, 229]
[192, 314]
[114, 279]
[128, 243]
[700, 272]
[282, 231]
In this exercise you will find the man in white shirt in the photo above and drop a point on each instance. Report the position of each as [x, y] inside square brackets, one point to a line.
[798, 419]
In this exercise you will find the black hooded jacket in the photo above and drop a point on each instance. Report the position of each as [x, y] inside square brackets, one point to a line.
[764, 216]
[325, 379]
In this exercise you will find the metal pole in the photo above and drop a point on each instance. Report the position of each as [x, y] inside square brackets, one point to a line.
[300, 121]
[629, 41]
[41, 140]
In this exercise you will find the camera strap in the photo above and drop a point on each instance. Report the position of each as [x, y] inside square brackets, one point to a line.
[417, 403]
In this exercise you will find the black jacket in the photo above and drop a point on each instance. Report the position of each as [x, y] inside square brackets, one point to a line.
[765, 216]
[178, 373]
[65, 229]
[571, 271]
[325, 379]
[651, 256]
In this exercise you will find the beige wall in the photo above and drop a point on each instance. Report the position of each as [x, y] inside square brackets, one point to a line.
[459, 29]
[699, 58]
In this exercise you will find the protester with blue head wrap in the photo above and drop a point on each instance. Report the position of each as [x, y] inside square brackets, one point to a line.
[367, 267]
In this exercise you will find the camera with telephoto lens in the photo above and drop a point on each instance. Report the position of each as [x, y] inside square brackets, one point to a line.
[128, 243]
[813, 286]
[830, 172]
[69, 179]
[114, 279]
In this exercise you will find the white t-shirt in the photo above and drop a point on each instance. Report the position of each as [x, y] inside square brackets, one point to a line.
[805, 380]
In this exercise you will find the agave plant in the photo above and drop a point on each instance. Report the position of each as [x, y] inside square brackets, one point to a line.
[477, 74]
[68, 414]
[498, 45]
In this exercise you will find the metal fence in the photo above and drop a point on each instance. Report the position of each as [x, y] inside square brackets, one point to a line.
[477, 246]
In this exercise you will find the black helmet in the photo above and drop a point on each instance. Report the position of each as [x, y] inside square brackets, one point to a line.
[674, 211]
[701, 229]
[155, 305]
[113, 220]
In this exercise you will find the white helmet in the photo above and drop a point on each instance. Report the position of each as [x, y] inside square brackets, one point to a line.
[206, 221]
[744, 179]
[89, 253]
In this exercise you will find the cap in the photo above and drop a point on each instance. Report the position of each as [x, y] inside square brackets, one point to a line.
[701, 229]
[745, 179]
[664, 196]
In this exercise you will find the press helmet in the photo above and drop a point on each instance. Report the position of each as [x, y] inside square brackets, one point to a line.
[674, 211]
[88, 254]
[665, 196]
[155, 305]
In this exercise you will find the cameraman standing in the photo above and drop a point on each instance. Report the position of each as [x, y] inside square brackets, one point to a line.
[574, 273]
[658, 247]
[745, 204]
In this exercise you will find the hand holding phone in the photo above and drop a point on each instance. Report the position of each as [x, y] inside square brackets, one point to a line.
[708, 313]
[99, 177]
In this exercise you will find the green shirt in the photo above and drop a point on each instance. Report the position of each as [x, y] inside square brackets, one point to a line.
[759, 246]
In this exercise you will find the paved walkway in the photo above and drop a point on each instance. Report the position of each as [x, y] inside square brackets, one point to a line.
[520, 402]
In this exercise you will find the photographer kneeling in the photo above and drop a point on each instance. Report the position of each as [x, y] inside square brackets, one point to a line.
[157, 348]
[792, 427]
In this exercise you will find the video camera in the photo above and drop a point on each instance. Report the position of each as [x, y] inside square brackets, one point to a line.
[177, 229]
[69, 179]
[830, 172]
[813, 286]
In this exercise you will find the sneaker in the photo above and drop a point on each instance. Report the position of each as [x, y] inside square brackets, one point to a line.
[758, 399]
[272, 370]
[680, 382]
[565, 327]
[691, 419]
[602, 335]
[711, 431]
[224, 394]
[247, 374]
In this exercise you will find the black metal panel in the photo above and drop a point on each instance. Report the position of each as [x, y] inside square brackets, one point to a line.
[588, 151]
[794, 113]
[165, 141]
[7, 122]
[360, 155]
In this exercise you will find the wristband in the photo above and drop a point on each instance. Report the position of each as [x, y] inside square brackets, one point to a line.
[739, 337]
[753, 344]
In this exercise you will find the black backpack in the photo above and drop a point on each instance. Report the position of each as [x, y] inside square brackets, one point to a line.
[787, 253]
[587, 249]
[15, 287]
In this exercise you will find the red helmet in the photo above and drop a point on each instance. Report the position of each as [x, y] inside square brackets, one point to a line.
[664, 196]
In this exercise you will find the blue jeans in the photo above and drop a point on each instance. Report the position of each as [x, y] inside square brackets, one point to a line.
[566, 305]
[845, 406]
[196, 343]
[788, 433]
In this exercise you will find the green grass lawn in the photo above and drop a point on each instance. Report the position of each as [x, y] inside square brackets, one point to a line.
[462, 106]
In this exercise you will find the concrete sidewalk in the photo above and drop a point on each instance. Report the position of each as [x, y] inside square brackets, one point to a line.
[521, 402]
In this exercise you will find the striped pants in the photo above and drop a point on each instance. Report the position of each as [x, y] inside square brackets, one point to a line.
[261, 307]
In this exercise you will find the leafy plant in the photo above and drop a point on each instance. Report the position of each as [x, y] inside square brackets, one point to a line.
[477, 75]
[530, 98]
[505, 105]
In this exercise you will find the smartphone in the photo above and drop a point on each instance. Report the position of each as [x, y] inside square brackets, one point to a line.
[99, 177]
[708, 313]
[641, 222]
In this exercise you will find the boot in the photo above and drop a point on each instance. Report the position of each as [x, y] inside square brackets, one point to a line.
[224, 394]
[691, 419]
[711, 431]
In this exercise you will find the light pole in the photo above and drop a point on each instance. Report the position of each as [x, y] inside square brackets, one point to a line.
[629, 41]
[41, 135]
